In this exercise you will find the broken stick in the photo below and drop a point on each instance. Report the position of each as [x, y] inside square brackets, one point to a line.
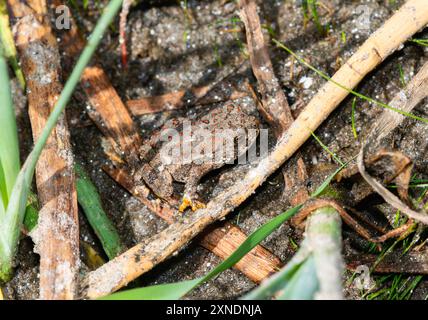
[222, 240]
[143, 257]
[179, 99]
[274, 105]
[57, 233]
[218, 91]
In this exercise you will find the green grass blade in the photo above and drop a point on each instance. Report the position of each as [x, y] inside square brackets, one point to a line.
[312, 4]
[319, 191]
[357, 94]
[402, 79]
[14, 216]
[304, 283]
[272, 285]
[3, 193]
[305, 9]
[170, 291]
[90, 201]
[354, 129]
[318, 254]
[409, 290]
[9, 146]
[6, 38]
[164, 291]
[31, 216]
[334, 156]
[10, 225]
[253, 240]
[421, 42]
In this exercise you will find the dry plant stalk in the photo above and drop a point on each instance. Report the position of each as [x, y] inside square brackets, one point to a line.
[221, 240]
[110, 114]
[144, 256]
[103, 98]
[57, 233]
[273, 105]
[177, 100]
[114, 120]
[405, 100]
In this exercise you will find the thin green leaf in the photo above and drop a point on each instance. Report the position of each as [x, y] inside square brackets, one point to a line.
[402, 79]
[312, 4]
[3, 192]
[421, 42]
[90, 201]
[354, 129]
[409, 290]
[304, 283]
[170, 291]
[335, 157]
[327, 181]
[9, 146]
[305, 10]
[253, 240]
[272, 285]
[6, 38]
[357, 94]
[10, 225]
[319, 251]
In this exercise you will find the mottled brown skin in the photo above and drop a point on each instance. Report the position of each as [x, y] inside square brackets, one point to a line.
[160, 175]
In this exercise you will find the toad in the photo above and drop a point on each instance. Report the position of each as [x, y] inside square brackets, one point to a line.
[189, 150]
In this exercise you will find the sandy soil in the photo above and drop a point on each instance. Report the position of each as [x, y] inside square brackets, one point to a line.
[170, 50]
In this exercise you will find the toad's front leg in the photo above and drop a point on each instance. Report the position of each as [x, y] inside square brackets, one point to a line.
[160, 182]
[190, 197]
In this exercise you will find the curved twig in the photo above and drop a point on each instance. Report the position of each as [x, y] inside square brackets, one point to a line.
[406, 100]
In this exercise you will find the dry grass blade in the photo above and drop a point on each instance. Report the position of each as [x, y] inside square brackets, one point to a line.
[110, 114]
[57, 235]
